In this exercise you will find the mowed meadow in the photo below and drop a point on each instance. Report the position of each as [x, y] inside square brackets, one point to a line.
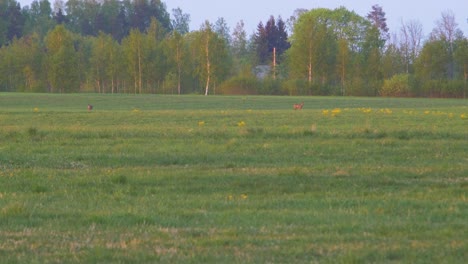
[243, 179]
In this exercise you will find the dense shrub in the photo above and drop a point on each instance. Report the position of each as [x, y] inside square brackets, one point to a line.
[398, 85]
[240, 85]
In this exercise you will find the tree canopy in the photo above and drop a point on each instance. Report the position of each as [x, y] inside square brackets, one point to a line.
[136, 46]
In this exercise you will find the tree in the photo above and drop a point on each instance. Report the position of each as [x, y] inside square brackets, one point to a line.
[11, 21]
[222, 29]
[140, 17]
[378, 19]
[159, 11]
[181, 21]
[177, 54]
[61, 61]
[282, 41]
[132, 47]
[271, 40]
[260, 41]
[239, 47]
[437, 68]
[40, 18]
[291, 22]
[17, 65]
[144, 10]
[121, 26]
[34, 74]
[343, 62]
[210, 55]
[108, 19]
[371, 56]
[308, 42]
[60, 18]
[431, 67]
[154, 59]
[100, 60]
[412, 36]
[327, 51]
[239, 40]
[393, 59]
[115, 67]
[447, 31]
[461, 58]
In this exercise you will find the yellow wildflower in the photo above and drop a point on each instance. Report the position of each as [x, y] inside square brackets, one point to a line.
[336, 111]
[325, 112]
[241, 124]
[385, 111]
[366, 110]
[201, 123]
[243, 196]
[36, 109]
[464, 116]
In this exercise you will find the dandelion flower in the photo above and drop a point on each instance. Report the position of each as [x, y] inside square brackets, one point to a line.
[36, 109]
[336, 111]
[464, 116]
[201, 123]
[325, 112]
[243, 196]
[241, 124]
[385, 111]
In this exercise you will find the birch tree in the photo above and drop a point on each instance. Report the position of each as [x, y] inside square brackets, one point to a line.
[411, 39]
[461, 58]
[210, 55]
[307, 42]
[177, 54]
[133, 50]
[61, 61]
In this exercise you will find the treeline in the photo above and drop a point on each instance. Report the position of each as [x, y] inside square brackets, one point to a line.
[137, 46]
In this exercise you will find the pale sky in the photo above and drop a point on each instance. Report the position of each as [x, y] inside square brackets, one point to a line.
[253, 11]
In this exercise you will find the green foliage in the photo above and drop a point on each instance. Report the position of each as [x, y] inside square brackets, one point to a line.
[397, 86]
[62, 59]
[106, 64]
[210, 55]
[296, 87]
[241, 85]
[270, 38]
[133, 47]
[326, 49]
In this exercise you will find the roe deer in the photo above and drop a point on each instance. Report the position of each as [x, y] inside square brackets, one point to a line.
[90, 107]
[298, 106]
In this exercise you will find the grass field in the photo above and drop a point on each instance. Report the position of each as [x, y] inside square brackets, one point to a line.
[192, 179]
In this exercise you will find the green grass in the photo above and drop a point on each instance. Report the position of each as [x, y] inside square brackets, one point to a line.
[193, 179]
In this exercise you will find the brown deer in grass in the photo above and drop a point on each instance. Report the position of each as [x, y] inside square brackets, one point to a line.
[90, 107]
[298, 106]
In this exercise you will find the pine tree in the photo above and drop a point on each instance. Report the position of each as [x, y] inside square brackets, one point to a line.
[378, 20]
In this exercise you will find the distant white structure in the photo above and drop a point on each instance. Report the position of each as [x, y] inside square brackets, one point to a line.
[262, 71]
